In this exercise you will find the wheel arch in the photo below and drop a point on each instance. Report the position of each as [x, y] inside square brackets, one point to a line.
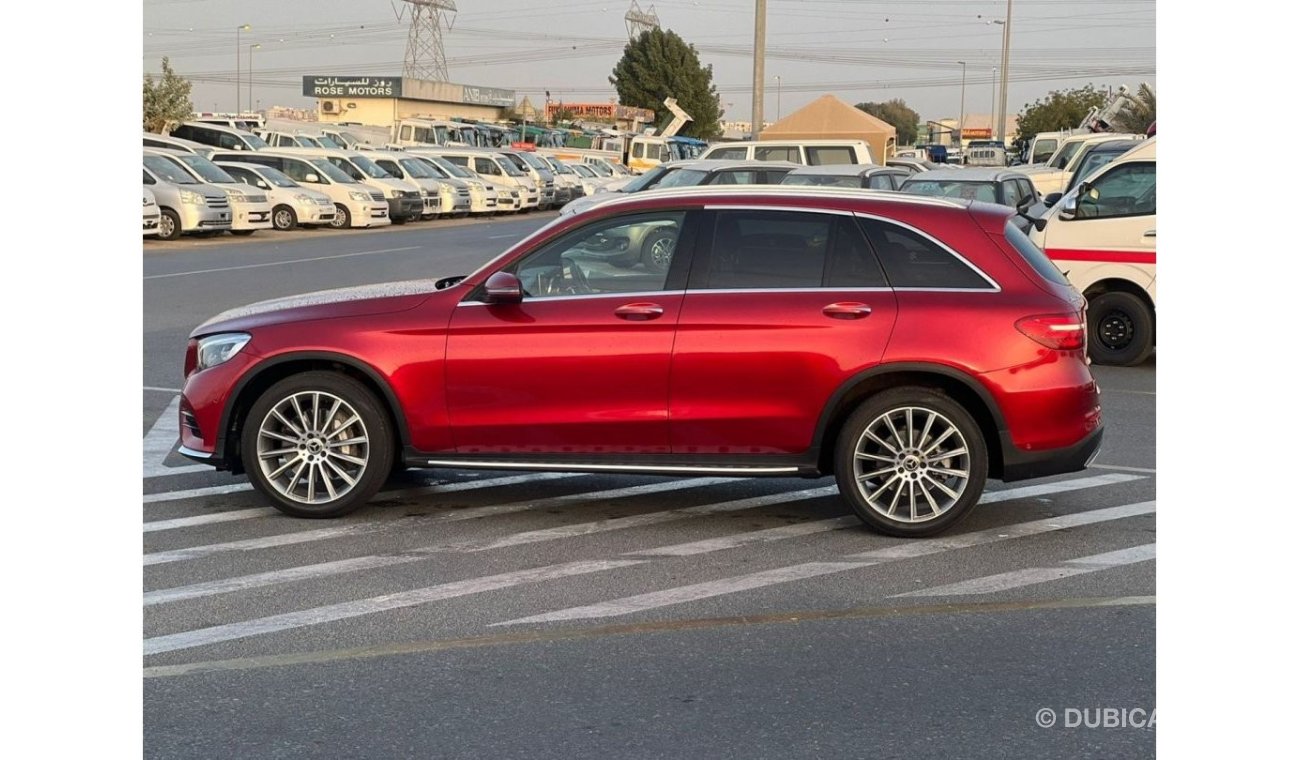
[954, 383]
[255, 382]
[1118, 285]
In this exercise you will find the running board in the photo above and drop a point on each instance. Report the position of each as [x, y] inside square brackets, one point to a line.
[739, 471]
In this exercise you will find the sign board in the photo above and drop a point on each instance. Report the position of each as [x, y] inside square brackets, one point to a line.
[352, 87]
[976, 133]
[487, 96]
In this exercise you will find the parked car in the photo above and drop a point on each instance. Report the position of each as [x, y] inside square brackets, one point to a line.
[152, 140]
[691, 174]
[1103, 235]
[484, 197]
[218, 136]
[1051, 178]
[592, 182]
[1002, 186]
[806, 152]
[497, 169]
[185, 205]
[533, 165]
[913, 165]
[405, 199]
[355, 205]
[851, 297]
[292, 205]
[568, 185]
[403, 166]
[250, 209]
[151, 213]
[868, 176]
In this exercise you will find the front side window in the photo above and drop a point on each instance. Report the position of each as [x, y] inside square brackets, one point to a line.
[912, 260]
[347, 168]
[1126, 190]
[611, 256]
[682, 178]
[638, 150]
[484, 166]
[1067, 153]
[769, 249]
[332, 172]
[370, 168]
[169, 171]
[734, 178]
[831, 155]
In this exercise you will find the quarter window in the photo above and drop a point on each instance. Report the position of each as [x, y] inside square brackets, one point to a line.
[631, 254]
[830, 155]
[778, 154]
[912, 260]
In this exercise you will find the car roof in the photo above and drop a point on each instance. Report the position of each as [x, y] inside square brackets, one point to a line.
[713, 164]
[777, 194]
[846, 170]
[970, 174]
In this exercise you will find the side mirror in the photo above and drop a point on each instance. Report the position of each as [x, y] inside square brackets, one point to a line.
[262, 184]
[503, 288]
[311, 177]
[1070, 209]
[1052, 198]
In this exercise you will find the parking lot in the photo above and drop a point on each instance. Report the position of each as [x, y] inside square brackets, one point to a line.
[454, 607]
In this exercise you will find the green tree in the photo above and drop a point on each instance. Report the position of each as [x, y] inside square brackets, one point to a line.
[167, 101]
[1137, 116]
[896, 114]
[1061, 109]
[659, 65]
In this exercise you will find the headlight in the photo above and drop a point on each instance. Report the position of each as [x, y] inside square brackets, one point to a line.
[193, 198]
[358, 196]
[424, 193]
[236, 196]
[305, 198]
[216, 349]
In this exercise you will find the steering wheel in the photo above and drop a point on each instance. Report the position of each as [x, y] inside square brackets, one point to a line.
[578, 277]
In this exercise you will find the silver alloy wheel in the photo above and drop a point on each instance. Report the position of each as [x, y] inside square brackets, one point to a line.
[166, 227]
[661, 251]
[313, 447]
[914, 461]
[283, 219]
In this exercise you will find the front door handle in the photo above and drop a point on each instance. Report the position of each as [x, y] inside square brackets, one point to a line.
[1149, 233]
[847, 310]
[639, 312]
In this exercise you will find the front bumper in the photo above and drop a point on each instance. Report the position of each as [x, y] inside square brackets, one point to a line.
[405, 208]
[314, 213]
[251, 216]
[151, 222]
[195, 218]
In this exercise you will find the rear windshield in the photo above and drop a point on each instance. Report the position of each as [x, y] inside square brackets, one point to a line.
[1033, 254]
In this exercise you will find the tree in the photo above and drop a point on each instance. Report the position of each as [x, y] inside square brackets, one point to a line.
[896, 114]
[1136, 117]
[659, 65]
[167, 101]
[1061, 109]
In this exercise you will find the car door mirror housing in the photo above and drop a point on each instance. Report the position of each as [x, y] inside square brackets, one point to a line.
[503, 288]
[1070, 208]
[1051, 199]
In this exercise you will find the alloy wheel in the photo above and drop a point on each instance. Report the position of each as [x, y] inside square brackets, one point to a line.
[911, 464]
[313, 447]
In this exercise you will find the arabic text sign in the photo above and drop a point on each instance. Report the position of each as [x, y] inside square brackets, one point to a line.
[352, 87]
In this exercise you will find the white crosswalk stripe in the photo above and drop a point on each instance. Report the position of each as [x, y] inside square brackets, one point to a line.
[162, 437]
[1017, 578]
[287, 539]
[301, 573]
[752, 537]
[346, 610]
[403, 493]
[154, 526]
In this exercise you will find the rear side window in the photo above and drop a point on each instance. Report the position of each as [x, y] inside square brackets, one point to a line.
[1033, 254]
[790, 154]
[830, 155]
[769, 249]
[912, 260]
[880, 182]
[727, 154]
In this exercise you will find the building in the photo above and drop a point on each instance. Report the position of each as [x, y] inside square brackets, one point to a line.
[976, 127]
[383, 101]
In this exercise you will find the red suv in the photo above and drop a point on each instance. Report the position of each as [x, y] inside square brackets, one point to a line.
[914, 347]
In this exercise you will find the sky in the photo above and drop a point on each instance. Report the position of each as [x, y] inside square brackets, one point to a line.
[860, 50]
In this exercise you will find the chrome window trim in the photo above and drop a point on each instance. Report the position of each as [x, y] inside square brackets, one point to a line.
[539, 299]
[702, 291]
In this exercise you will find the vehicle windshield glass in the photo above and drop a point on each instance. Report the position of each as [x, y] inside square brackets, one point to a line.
[331, 171]
[1067, 152]
[326, 142]
[432, 170]
[970, 191]
[509, 168]
[682, 178]
[417, 169]
[450, 168]
[822, 180]
[371, 168]
[583, 171]
[256, 142]
[351, 138]
[600, 169]
[168, 171]
[307, 142]
[535, 162]
[209, 171]
[276, 177]
[619, 169]
[560, 168]
[647, 180]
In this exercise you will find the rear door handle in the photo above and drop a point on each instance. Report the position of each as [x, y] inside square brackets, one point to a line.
[639, 312]
[847, 310]
[1149, 233]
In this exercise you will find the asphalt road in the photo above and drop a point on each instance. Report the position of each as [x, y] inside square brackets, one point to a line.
[470, 614]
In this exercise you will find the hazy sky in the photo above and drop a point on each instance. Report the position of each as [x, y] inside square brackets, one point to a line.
[858, 49]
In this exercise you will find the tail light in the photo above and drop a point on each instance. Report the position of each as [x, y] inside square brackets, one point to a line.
[1064, 332]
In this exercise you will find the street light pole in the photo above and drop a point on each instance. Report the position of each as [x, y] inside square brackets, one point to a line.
[238, 74]
[993, 101]
[961, 113]
[760, 51]
[778, 97]
[251, 48]
[1006, 51]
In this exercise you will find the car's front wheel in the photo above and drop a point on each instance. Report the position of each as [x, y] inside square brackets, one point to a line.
[911, 462]
[284, 218]
[317, 444]
[342, 218]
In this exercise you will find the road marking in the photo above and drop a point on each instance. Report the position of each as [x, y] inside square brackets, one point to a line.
[306, 572]
[992, 584]
[216, 517]
[251, 544]
[154, 498]
[346, 610]
[498, 237]
[284, 263]
[1134, 393]
[913, 548]
[694, 592]
[1146, 470]
[1060, 486]
[492, 510]
[162, 390]
[194, 493]
[161, 439]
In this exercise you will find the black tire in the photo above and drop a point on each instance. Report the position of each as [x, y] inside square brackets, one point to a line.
[399, 219]
[911, 467]
[658, 260]
[377, 450]
[1121, 329]
[342, 219]
[242, 233]
[169, 226]
[284, 218]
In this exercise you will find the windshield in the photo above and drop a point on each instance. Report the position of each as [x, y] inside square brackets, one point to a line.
[332, 172]
[417, 169]
[583, 171]
[253, 140]
[307, 142]
[536, 162]
[1067, 152]
[619, 169]
[600, 169]
[276, 177]
[509, 167]
[168, 171]
[647, 180]
[970, 191]
[821, 181]
[350, 138]
[450, 168]
[209, 171]
[682, 178]
[326, 142]
[371, 168]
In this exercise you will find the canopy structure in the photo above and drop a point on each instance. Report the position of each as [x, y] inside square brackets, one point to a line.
[829, 118]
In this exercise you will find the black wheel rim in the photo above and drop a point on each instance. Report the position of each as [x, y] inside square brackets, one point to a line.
[1115, 330]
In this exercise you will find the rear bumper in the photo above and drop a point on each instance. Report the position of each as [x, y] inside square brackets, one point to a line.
[1018, 464]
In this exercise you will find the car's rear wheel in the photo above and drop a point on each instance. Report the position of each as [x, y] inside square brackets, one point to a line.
[911, 462]
[317, 444]
[1121, 329]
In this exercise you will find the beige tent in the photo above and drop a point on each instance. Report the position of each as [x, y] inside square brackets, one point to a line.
[829, 118]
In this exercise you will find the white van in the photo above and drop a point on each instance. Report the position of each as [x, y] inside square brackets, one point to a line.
[1102, 234]
[807, 152]
[250, 210]
[496, 168]
[405, 199]
[292, 205]
[485, 197]
[185, 205]
[355, 205]
[441, 198]
[218, 136]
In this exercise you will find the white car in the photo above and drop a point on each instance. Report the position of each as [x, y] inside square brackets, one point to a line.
[292, 205]
[250, 210]
[152, 216]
